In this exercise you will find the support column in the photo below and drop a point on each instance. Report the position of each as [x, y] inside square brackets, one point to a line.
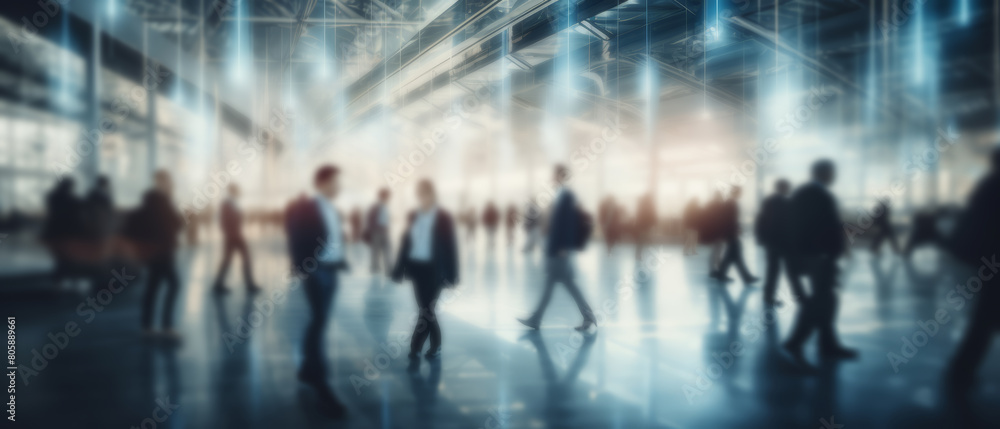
[90, 166]
[151, 125]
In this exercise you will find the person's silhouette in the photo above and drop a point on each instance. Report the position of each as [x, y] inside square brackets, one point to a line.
[689, 224]
[882, 223]
[511, 224]
[818, 240]
[645, 222]
[231, 220]
[563, 239]
[491, 221]
[100, 209]
[316, 244]
[770, 228]
[532, 225]
[377, 233]
[159, 223]
[428, 256]
[730, 216]
[976, 242]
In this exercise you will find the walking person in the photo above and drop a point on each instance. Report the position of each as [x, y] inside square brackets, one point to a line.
[378, 233]
[710, 230]
[882, 223]
[689, 225]
[770, 228]
[818, 241]
[645, 222]
[156, 224]
[975, 242]
[428, 257]
[231, 220]
[532, 226]
[491, 221]
[316, 239]
[734, 247]
[564, 237]
[511, 223]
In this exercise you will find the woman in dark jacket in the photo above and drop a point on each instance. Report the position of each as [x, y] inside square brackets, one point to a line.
[428, 257]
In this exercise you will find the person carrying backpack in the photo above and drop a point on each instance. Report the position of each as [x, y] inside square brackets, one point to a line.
[569, 230]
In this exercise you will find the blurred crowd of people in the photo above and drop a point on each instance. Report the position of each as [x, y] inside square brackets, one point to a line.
[799, 228]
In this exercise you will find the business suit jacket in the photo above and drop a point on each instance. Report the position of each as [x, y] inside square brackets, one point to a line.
[306, 231]
[817, 229]
[564, 225]
[771, 226]
[444, 251]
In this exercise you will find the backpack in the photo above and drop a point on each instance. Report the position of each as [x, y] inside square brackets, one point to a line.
[585, 228]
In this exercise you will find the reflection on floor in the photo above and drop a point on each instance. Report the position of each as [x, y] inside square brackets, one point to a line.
[662, 356]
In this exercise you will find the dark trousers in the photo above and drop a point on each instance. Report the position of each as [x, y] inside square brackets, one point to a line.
[232, 246]
[775, 259]
[885, 232]
[983, 325]
[819, 310]
[559, 270]
[734, 255]
[160, 269]
[427, 290]
[320, 287]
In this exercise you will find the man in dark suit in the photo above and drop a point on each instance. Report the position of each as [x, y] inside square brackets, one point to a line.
[563, 239]
[231, 220]
[734, 247]
[818, 241]
[316, 245]
[378, 232]
[771, 231]
[975, 242]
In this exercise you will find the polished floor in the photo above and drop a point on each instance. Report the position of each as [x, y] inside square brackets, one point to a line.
[663, 356]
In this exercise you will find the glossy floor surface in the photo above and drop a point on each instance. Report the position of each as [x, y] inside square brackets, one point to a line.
[674, 350]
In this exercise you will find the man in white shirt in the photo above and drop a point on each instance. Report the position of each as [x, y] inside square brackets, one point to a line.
[316, 244]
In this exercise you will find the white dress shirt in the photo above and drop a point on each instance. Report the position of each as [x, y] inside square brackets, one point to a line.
[422, 235]
[332, 251]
